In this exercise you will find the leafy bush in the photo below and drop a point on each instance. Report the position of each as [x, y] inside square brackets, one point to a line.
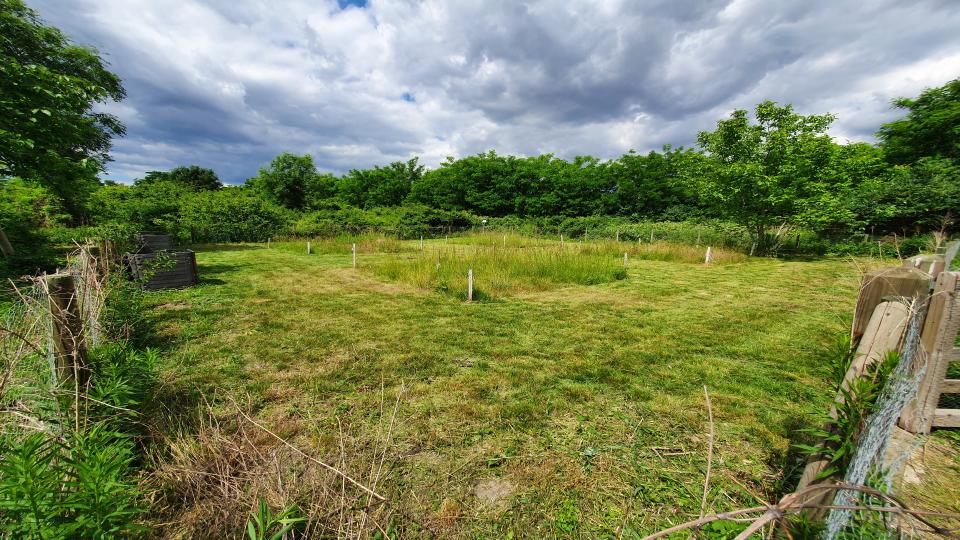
[401, 221]
[230, 215]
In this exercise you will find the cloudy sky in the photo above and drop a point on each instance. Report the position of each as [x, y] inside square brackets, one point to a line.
[228, 84]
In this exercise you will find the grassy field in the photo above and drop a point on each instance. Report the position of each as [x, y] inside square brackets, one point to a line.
[570, 403]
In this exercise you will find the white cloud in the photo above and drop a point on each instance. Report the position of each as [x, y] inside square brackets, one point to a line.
[229, 84]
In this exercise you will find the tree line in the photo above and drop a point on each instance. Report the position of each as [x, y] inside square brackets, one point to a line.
[768, 170]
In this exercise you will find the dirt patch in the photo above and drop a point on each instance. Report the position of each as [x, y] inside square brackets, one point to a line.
[494, 491]
[173, 306]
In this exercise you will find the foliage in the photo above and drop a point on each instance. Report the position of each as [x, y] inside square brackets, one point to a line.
[194, 177]
[771, 173]
[49, 129]
[379, 186]
[286, 180]
[410, 221]
[27, 210]
[930, 129]
[858, 398]
[264, 525]
[230, 214]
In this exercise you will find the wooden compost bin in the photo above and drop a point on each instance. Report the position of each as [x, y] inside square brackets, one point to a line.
[150, 243]
[180, 271]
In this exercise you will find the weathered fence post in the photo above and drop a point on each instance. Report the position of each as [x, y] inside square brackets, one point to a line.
[90, 285]
[624, 259]
[618, 235]
[5, 247]
[651, 236]
[709, 257]
[354, 255]
[268, 243]
[753, 248]
[504, 241]
[309, 248]
[421, 242]
[698, 237]
[561, 240]
[470, 285]
[67, 349]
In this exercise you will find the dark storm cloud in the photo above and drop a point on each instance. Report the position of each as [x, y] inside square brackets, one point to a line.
[229, 84]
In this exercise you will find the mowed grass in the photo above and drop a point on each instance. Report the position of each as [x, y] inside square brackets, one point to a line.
[568, 407]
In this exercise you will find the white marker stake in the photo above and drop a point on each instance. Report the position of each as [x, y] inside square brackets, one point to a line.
[470, 285]
[698, 238]
[651, 236]
[354, 255]
[309, 250]
[753, 248]
[618, 236]
[561, 240]
[639, 240]
[268, 243]
[624, 259]
[504, 241]
[421, 242]
[709, 258]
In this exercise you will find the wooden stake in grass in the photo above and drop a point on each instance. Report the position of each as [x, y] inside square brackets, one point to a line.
[698, 237]
[651, 236]
[709, 258]
[309, 248]
[421, 242]
[470, 285]
[753, 248]
[561, 240]
[268, 243]
[504, 241]
[354, 255]
[624, 259]
[618, 235]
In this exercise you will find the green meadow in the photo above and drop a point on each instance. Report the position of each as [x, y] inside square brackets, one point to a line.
[570, 401]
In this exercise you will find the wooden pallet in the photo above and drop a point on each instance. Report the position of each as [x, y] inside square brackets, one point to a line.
[938, 341]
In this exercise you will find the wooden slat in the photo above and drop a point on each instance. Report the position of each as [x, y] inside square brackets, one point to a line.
[950, 386]
[947, 418]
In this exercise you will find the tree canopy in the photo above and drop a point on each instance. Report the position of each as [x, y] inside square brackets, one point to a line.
[931, 127]
[49, 130]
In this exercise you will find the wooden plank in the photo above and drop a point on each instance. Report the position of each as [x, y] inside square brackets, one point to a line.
[950, 386]
[938, 341]
[954, 355]
[948, 418]
[879, 284]
[883, 334]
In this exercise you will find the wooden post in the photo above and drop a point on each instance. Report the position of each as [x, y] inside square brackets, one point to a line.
[639, 240]
[90, 281]
[504, 241]
[268, 243]
[698, 237]
[470, 285]
[67, 349]
[5, 247]
[421, 242]
[354, 255]
[309, 249]
[624, 259]
[753, 248]
[561, 240]
[709, 257]
[651, 236]
[618, 235]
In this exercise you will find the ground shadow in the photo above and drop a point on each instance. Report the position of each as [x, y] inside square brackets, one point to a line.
[226, 247]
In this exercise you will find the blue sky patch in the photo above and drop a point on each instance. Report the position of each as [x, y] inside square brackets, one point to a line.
[408, 97]
[344, 4]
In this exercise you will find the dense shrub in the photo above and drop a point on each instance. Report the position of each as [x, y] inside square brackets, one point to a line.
[402, 221]
[230, 215]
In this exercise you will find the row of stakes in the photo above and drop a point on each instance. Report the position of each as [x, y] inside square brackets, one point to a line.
[626, 258]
